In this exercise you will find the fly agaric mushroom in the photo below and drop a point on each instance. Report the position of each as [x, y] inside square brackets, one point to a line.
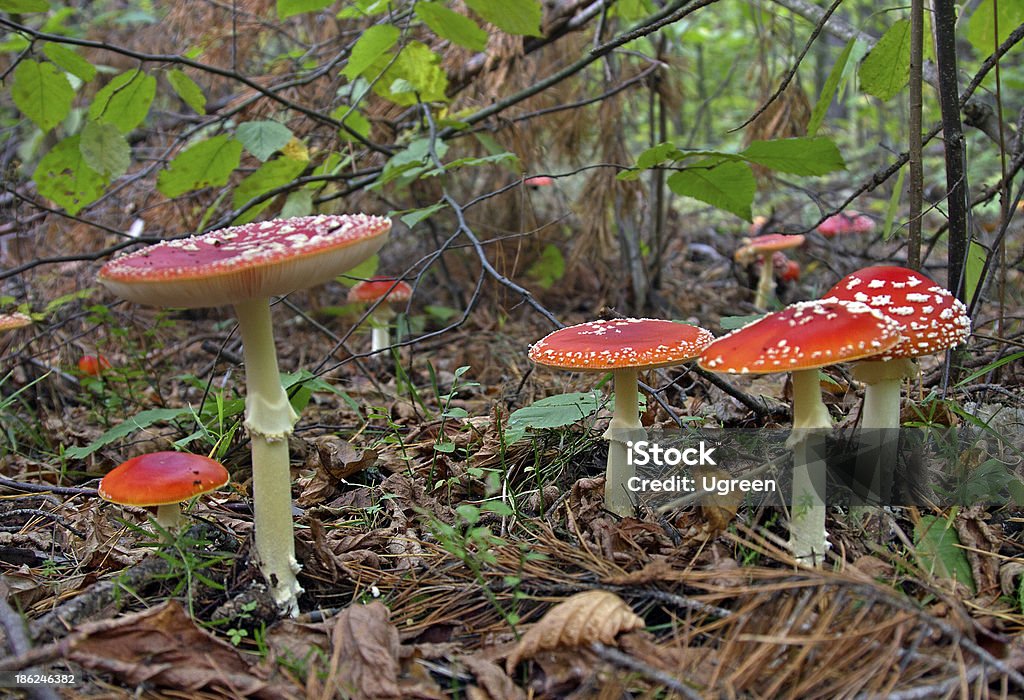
[931, 320]
[93, 365]
[245, 266]
[13, 320]
[539, 181]
[802, 338]
[623, 347]
[164, 480]
[384, 292]
[762, 248]
[846, 222]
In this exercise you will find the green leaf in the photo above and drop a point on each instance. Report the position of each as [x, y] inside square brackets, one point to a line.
[548, 268]
[731, 323]
[105, 149]
[729, 186]
[510, 16]
[450, 25]
[140, 421]
[413, 217]
[373, 44]
[124, 101]
[656, 155]
[290, 8]
[796, 156]
[414, 76]
[70, 61]
[42, 93]
[263, 138]
[886, 69]
[269, 176]
[298, 203]
[980, 29]
[977, 254]
[555, 411]
[208, 163]
[829, 89]
[939, 551]
[190, 93]
[888, 230]
[18, 6]
[64, 176]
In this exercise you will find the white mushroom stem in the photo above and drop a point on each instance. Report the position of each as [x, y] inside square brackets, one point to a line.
[808, 538]
[624, 427]
[169, 516]
[882, 380]
[269, 417]
[766, 283]
[381, 338]
[879, 424]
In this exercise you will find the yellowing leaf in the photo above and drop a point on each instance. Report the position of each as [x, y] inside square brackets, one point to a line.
[591, 616]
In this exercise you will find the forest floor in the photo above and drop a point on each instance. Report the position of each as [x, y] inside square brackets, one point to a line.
[439, 559]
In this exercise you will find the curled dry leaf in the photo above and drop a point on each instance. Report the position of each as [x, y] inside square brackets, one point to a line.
[591, 616]
[364, 662]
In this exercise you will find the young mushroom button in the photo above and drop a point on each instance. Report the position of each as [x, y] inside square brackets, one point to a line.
[801, 339]
[162, 479]
[245, 266]
[623, 347]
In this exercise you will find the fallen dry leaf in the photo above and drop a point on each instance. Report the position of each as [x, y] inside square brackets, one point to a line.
[591, 616]
[163, 647]
[491, 682]
[364, 662]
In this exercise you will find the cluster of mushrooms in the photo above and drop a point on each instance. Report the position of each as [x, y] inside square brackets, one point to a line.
[880, 317]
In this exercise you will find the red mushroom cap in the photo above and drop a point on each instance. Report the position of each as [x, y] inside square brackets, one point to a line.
[539, 181]
[804, 335]
[93, 365]
[790, 271]
[771, 242]
[931, 319]
[8, 322]
[602, 346]
[162, 478]
[237, 264]
[380, 287]
[846, 222]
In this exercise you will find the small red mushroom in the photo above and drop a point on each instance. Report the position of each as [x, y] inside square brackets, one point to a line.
[760, 248]
[539, 181]
[164, 480]
[384, 291]
[93, 365]
[846, 222]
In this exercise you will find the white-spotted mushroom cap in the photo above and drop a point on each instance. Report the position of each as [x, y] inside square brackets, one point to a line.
[804, 335]
[931, 319]
[236, 264]
[376, 288]
[844, 223]
[15, 319]
[162, 478]
[603, 346]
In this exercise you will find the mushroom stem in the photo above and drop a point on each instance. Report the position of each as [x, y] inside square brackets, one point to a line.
[808, 538]
[766, 283]
[624, 427]
[169, 516]
[879, 428]
[269, 417]
[381, 338]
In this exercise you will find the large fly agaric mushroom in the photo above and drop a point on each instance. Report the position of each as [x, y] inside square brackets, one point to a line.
[761, 248]
[245, 266]
[623, 347]
[802, 338]
[384, 292]
[164, 480]
[931, 320]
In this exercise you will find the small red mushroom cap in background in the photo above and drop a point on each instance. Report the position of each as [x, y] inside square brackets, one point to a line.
[844, 223]
[93, 365]
[162, 478]
[386, 288]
